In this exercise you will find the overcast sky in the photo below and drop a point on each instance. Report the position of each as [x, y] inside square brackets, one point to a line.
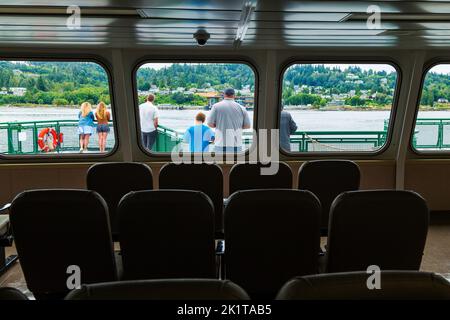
[442, 68]
[156, 66]
[364, 66]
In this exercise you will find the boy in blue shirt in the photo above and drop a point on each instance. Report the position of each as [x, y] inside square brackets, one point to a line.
[199, 136]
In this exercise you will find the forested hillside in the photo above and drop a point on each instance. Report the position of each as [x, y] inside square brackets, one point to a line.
[61, 83]
[217, 76]
[68, 83]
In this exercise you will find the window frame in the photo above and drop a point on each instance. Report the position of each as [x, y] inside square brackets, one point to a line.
[100, 61]
[344, 60]
[430, 64]
[196, 59]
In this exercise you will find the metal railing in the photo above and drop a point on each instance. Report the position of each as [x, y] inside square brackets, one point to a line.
[22, 138]
[432, 134]
[166, 140]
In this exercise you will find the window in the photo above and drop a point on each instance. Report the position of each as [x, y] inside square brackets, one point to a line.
[41, 106]
[432, 129]
[336, 107]
[176, 103]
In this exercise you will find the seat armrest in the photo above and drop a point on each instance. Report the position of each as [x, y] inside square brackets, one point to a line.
[6, 238]
[5, 207]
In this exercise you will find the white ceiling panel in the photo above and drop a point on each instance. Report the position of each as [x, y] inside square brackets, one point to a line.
[279, 23]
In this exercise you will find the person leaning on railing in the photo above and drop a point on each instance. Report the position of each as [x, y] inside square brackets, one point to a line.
[229, 118]
[148, 115]
[85, 125]
[103, 116]
[287, 127]
[199, 136]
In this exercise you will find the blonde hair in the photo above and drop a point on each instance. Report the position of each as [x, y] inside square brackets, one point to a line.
[101, 111]
[85, 108]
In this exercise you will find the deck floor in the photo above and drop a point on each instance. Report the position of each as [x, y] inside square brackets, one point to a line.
[436, 258]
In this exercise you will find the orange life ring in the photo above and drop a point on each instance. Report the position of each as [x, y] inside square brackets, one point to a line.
[48, 139]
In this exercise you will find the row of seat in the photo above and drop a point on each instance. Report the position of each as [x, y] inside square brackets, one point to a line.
[351, 285]
[325, 178]
[393, 285]
[170, 234]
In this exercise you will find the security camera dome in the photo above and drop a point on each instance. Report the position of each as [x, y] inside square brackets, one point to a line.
[201, 36]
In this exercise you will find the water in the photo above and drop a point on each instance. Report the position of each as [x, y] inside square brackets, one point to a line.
[21, 114]
[180, 120]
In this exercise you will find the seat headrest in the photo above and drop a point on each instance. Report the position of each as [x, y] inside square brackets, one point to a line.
[339, 172]
[395, 285]
[379, 200]
[171, 289]
[38, 199]
[163, 196]
[190, 167]
[278, 195]
[137, 174]
[7, 293]
[245, 176]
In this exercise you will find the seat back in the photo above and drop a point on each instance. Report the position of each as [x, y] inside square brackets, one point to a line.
[167, 289]
[248, 176]
[270, 235]
[167, 234]
[7, 293]
[387, 228]
[55, 229]
[327, 179]
[395, 285]
[113, 180]
[207, 178]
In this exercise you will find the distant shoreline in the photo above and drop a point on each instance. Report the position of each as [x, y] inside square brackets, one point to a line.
[34, 106]
[287, 108]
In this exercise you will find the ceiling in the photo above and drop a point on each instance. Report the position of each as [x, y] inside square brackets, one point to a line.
[272, 23]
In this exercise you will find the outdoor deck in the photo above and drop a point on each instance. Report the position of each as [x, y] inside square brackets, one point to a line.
[17, 138]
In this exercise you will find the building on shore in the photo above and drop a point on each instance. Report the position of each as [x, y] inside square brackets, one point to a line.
[213, 97]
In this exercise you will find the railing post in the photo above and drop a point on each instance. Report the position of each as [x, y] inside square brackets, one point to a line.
[303, 144]
[35, 138]
[58, 131]
[165, 140]
[440, 135]
[10, 140]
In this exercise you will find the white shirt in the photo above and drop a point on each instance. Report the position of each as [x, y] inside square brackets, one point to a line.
[147, 114]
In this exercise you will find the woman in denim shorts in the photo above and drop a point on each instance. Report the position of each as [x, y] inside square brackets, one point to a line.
[85, 125]
[103, 116]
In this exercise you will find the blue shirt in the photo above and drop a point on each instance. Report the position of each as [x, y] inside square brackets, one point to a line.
[86, 121]
[198, 137]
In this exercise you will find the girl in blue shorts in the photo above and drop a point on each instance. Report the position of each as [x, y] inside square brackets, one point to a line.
[85, 125]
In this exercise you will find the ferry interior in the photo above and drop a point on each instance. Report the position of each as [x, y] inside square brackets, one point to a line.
[336, 185]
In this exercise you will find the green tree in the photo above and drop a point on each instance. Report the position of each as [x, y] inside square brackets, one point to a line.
[41, 85]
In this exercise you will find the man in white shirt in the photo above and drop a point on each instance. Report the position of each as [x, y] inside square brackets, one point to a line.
[229, 118]
[148, 115]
